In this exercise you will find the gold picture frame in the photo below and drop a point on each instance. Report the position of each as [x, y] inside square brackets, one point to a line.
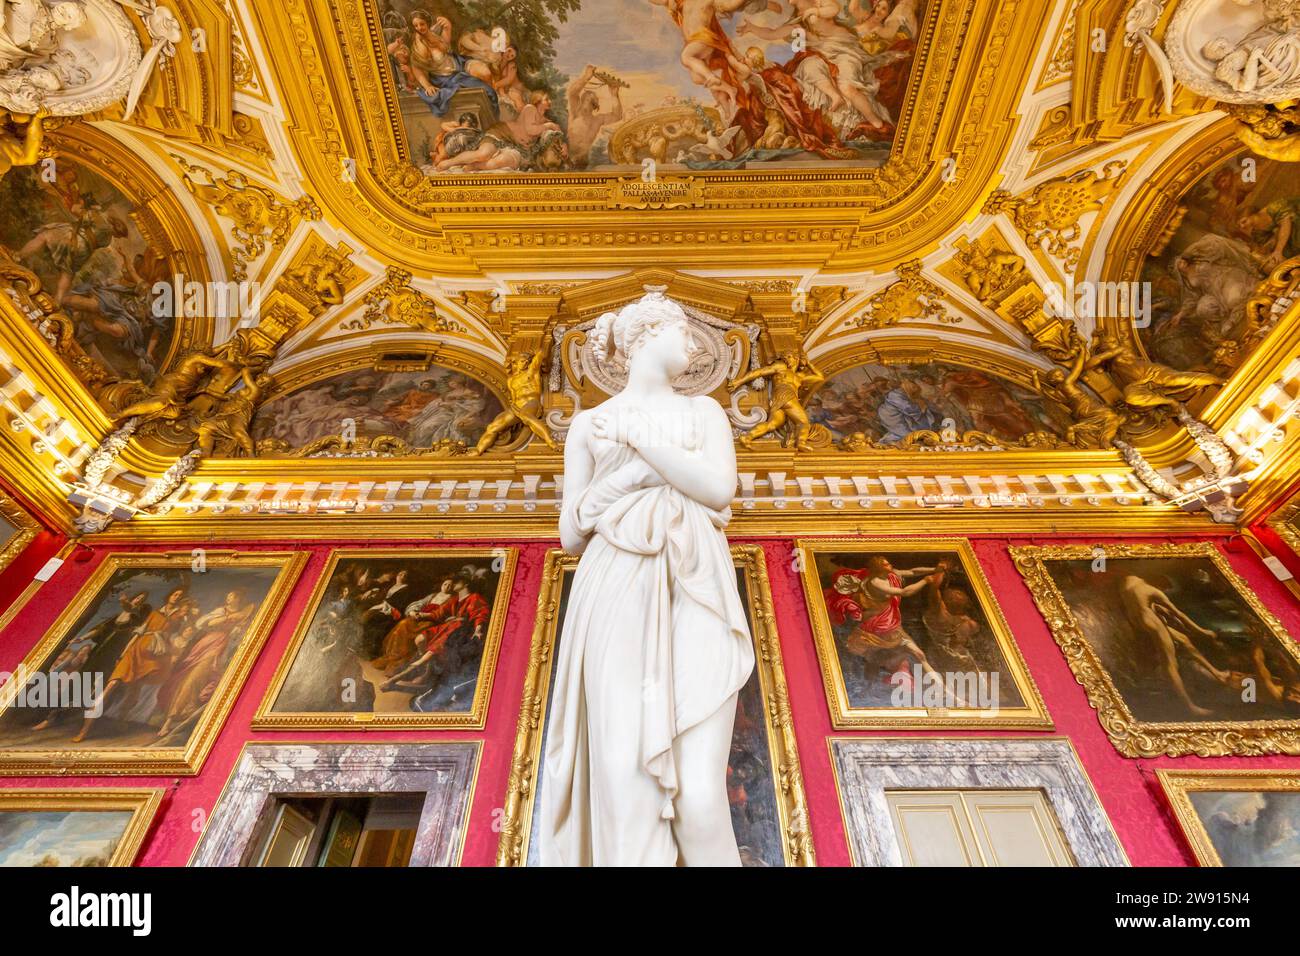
[142, 803]
[525, 765]
[1179, 785]
[266, 718]
[1129, 735]
[25, 528]
[186, 760]
[1031, 715]
[1286, 522]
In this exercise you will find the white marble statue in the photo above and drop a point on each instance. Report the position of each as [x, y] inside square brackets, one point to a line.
[1265, 58]
[1235, 51]
[656, 644]
[75, 57]
[29, 29]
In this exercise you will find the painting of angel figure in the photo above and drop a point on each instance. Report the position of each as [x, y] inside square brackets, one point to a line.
[1240, 224]
[547, 85]
[398, 638]
[909, 635]
[764, 782]
[424, 409]
[1171, 645]
[887, 403]
[141, 666]
[79, 234]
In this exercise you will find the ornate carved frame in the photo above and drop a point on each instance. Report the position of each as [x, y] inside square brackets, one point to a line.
[141, 802]
[844, 716]
[186, 760]
[267, 718]
[1133, 737]
[1178, 785]
[467, 223]
[25, 529]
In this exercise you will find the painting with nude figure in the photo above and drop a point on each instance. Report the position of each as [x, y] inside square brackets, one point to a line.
[1176, 652]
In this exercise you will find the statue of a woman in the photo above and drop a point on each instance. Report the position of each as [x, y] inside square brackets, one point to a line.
[656, 644]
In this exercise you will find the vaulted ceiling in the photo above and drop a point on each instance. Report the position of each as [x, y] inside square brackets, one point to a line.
[364, 211]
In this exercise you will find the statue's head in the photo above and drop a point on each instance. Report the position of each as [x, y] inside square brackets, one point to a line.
[68, 15]
[653, 329]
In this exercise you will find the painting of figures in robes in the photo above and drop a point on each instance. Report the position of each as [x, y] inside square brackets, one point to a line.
[551, 85]
[1177, 654]
[396, 639]
[431, 409]
[79, 234]
[74, 828]
[1240, 223]
[887, 403]
[764, 817]
[142, 667]
[909, 635]
[1237, 817]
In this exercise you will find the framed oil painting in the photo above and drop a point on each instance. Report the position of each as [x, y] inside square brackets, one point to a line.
[1237, 817]
[1176, 652]
[589, 85]
[77, 828]
[769, 811]
[405, 638]
[909, 635]
[140, 670]
[17, 528]
[1286, 522]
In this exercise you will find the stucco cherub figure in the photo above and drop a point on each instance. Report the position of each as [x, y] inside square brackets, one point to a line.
[794, 380]
[524, 390]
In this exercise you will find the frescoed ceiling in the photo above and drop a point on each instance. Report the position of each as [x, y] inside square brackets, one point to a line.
[1026, 263]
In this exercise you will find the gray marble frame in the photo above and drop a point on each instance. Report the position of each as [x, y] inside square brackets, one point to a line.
[445, 772]
[867, 768]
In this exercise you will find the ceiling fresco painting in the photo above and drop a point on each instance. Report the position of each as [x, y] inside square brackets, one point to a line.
[1238, 224]
[868, 210]
[888, 404]
[550, 85]
[424, 409]
[79, 234]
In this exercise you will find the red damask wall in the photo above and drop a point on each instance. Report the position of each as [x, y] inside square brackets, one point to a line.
[1128, 788]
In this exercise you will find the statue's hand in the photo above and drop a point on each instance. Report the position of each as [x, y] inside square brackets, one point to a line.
[622, 426]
